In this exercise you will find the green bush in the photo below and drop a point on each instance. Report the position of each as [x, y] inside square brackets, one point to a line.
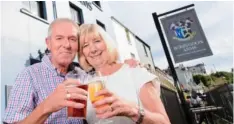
[218, 77]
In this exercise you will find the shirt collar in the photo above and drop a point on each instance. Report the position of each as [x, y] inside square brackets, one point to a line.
[46, 60]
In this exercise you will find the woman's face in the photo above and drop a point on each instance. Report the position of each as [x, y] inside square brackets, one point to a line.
[94, 50]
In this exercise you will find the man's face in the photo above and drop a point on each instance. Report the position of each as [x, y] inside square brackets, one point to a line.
[63, 43]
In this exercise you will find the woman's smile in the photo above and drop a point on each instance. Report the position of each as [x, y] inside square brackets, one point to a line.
[96, 55]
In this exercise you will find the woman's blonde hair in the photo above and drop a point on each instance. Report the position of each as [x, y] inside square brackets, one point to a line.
[91, 30]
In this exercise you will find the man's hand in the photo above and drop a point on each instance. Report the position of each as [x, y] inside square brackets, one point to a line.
[56, 101]
[59, 98]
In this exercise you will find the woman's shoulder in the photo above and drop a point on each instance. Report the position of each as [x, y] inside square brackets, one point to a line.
[119, 68]
[134, 70]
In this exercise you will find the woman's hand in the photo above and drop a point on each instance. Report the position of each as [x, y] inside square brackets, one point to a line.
[117, 106]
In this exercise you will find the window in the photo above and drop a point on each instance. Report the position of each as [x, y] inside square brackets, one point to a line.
[101, 24]
[97, 3]
[7, 93]
[146, 54]
[54, 9]
[76, 14]
[87, 4]
[128, 36]
[132, 55]
[37, 8]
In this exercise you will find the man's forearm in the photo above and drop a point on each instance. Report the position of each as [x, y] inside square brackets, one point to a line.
[38, 116]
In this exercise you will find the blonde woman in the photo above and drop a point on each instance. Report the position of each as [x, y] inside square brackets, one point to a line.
[125, 88]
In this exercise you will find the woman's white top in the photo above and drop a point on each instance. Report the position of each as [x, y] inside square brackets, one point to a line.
[125, 83]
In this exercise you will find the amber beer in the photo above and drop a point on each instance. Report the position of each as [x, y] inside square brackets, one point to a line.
[76, 112]
[94, 87]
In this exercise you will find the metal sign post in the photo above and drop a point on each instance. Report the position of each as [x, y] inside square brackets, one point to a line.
[171, 66]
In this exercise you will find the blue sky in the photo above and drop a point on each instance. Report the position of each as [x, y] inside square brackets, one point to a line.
[216, 19]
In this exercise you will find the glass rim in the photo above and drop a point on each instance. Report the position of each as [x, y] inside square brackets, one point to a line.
[94, 80]
[75, 85]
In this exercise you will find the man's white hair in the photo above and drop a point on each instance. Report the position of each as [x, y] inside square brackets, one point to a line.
[59, 20]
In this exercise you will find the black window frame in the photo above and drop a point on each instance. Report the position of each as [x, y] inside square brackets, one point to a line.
[127, 33]
[54, 9]
[80, 12]
[101, 24]
[97, 4]
[146, 54]
[42, 13]
[133, 55]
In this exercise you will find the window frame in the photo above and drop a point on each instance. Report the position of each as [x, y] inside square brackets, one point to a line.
[127, 33]
[79, 11]
[97, 5]
[101, 24]
[41, 13]
[133, 55]
[146, 54]
[54, 9]
[27, 12]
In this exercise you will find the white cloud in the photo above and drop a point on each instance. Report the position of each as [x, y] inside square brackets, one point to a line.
[137, 16]
[217, 12]
[223, 47]
[161, 62]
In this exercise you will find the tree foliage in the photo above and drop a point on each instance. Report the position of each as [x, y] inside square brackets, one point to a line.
[207, 80]
[197, 79]
[227, 76]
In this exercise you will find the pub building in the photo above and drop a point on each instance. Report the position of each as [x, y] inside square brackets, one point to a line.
[25, 25]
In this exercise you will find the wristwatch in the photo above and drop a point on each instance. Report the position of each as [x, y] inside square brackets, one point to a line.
[141, 112]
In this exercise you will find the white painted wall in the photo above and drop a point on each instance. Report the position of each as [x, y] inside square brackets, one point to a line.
[197, 69]
[22, 35]
[185, 77]
[125, 49]
[136, 46]
[141, 52]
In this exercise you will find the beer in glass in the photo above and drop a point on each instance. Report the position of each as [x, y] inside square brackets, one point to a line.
[78, 112]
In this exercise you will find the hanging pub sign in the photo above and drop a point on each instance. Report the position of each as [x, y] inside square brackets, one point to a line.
[185, 36]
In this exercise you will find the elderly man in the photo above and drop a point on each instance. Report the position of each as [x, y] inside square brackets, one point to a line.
[40, 92]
